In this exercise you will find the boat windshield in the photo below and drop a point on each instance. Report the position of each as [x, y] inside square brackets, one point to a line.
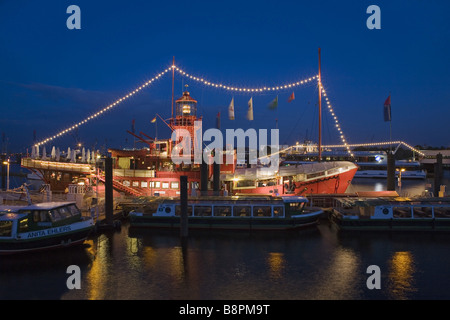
[296, 207]
[6, 228]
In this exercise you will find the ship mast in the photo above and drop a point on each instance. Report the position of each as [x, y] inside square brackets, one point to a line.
[320, 113]
[173, 76]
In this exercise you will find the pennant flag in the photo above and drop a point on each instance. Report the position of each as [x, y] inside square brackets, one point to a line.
[153, 120]
[218, 120]
[387, 109]
[231, 109]
[274, 104]
[291, 97]
[250, 109]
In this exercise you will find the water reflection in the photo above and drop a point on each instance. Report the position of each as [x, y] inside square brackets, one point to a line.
[96, 278]
[276, 263]
[401, 275]
[310, 264]
[341, 278]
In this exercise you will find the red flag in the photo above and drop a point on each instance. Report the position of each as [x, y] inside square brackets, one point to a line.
[387, 109]
[291, 97]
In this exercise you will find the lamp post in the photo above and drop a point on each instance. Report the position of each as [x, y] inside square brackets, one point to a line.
[400, 179]
[6, 163]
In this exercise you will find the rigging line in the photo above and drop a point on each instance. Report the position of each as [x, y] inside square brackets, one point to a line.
[298, 121]
[325, 124]
[314, 94]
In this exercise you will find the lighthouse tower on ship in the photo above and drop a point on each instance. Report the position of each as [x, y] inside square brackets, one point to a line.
[186, 118]
[151, 170]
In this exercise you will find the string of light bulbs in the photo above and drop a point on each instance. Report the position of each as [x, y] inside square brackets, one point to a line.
[373, 144]
[336, 121]
[244, 89]
[158, 76]
[112, 105]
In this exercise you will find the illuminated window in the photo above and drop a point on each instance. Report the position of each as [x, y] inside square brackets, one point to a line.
[144, 184]
[174, 185]
[242, 211]
[262, 211]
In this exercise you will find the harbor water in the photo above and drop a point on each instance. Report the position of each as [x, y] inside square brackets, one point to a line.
[317, 263]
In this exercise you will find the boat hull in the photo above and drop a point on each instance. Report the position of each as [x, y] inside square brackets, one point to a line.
[225, 223]
[399, 224]
[54, 238]
[328, 185]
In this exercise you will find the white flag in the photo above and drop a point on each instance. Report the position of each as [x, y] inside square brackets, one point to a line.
[231, 109]
[250, 109]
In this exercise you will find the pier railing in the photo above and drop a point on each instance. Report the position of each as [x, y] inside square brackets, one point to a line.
[56, 166]
[134, 173]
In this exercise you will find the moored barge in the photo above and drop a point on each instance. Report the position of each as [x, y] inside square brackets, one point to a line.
[233, 213]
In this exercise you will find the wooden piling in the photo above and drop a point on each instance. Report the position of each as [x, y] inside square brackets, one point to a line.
[184, 227]
[204, 177]
[216, 178]
[390, 172]
[3, 159]
[438, 174]
[109, 199]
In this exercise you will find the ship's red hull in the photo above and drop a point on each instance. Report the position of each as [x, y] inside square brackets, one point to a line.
[333, 184]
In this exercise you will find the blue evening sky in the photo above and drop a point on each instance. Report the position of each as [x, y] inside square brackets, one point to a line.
[52, 77]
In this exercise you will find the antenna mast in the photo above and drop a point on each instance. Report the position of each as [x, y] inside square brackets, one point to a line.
[320, 113]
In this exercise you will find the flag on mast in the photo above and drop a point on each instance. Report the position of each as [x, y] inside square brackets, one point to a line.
[274, 104]
[153, 120]
[218, 120]
[231, 109]
[291, 97]
[250, 109]
[387, 109]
